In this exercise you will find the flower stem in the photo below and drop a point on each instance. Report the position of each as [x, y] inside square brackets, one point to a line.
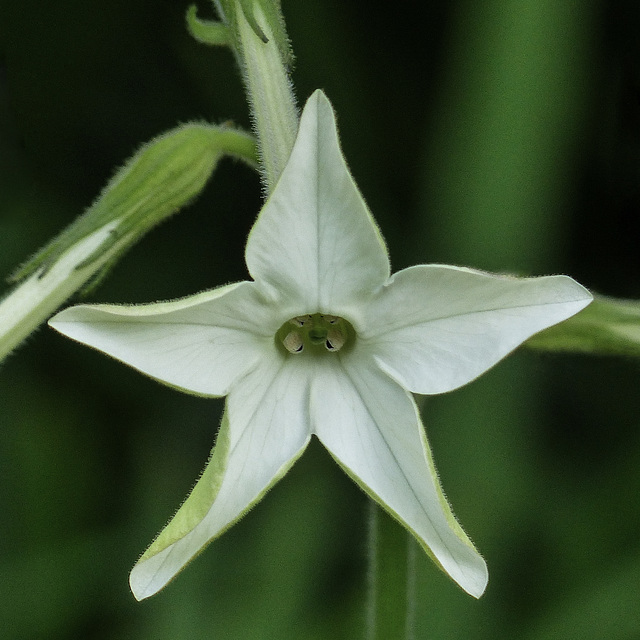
[261, 45]
[391, 599]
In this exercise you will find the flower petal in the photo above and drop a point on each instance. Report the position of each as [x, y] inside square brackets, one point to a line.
[372, 427]
[315, 241]
[434, 327]
[261, 436]
[200, 344]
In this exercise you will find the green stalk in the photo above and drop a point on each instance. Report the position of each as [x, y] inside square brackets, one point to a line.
[271, 97]
[391, 598]
[258, 37]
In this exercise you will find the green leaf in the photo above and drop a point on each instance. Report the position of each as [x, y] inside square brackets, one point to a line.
[608, 326]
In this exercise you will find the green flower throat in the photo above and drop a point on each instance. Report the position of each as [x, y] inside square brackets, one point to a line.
[315, 332]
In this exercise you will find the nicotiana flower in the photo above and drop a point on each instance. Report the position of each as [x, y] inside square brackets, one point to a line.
[323, 341]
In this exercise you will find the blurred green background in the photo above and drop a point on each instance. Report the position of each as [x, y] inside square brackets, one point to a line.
[503, 135]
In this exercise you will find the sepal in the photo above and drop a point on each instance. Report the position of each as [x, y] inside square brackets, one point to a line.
[209, 32]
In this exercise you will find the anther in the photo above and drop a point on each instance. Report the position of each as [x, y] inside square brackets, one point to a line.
[293, 342]
[335, 339]
[300, 321]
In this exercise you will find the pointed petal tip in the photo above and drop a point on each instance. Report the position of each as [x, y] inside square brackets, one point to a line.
[467, 568]
[573, 295]
[138, 593]
[78, 314]
[318, 103]
[140, 585]
[55, 319]
[478, 585]
[581, 292]
[150, 575]
[63, 320]
[318, 95]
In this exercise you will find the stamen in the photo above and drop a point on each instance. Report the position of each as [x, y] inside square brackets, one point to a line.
[300, 321]
[335, 339]
[293, 342]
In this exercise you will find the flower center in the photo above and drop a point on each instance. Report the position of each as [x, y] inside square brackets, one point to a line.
[315, 332]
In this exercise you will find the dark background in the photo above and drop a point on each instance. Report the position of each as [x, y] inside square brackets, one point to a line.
[501, 135]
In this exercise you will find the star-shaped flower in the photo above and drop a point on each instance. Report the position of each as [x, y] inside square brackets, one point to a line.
[323, 341]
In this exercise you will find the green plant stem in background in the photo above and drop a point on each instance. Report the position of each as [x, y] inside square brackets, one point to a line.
[391, 597]
[511, 112]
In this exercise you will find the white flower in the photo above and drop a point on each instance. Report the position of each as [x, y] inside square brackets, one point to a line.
[323, 341]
